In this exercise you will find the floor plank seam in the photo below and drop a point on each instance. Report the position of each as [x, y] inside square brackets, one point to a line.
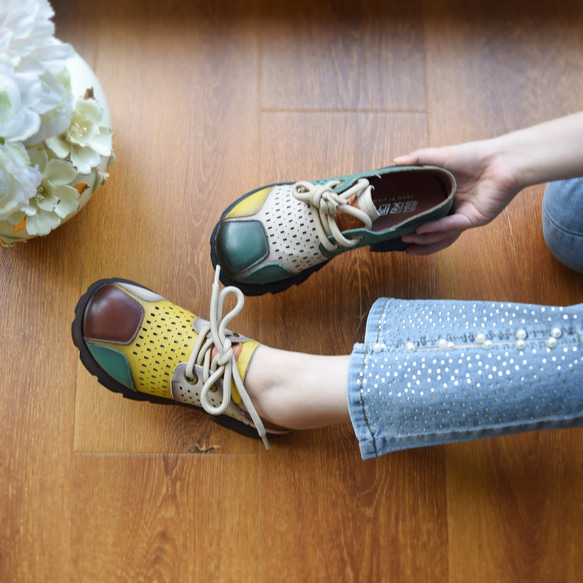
[343, 111]
[163, 454]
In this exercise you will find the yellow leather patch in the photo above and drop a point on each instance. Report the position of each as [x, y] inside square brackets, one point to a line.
[165, 339]
[250, 205]
[247, 350]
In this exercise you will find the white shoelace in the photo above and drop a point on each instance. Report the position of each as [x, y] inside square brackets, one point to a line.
[224, 364]
[325, 203]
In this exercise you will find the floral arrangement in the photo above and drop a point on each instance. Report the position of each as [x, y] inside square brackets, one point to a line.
[53, 146]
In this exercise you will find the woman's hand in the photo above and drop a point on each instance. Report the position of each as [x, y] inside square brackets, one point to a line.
[486, 183]
[490, 173]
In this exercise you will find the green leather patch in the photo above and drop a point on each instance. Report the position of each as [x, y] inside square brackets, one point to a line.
[240, 245]
[267, 274]
[114, 363]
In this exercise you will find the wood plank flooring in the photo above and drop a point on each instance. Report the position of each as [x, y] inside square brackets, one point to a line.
[210, 100]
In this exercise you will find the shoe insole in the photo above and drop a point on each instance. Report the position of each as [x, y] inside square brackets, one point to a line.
[401, 196]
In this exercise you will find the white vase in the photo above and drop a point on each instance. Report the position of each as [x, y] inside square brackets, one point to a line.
[83, 79]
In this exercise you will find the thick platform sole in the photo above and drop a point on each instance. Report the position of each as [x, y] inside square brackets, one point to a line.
[111, 384]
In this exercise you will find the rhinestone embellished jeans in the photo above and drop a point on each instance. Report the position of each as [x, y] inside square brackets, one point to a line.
[438, 372]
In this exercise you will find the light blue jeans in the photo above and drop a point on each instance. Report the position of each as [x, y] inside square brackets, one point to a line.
[433, 372]
[563, 221]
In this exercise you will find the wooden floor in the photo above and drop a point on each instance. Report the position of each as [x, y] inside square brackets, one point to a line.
[210, 100]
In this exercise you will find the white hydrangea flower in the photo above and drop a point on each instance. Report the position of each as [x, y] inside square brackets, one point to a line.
[34, 86]
[18, 120]
[85, 141]
[25, 25]
[41, 186]
[18, 179]
[55, 198]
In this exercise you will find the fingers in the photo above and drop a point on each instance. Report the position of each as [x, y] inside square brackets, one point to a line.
[430, 238]
[456, 222]
[431, 245]
[435, 236]
[425, 156]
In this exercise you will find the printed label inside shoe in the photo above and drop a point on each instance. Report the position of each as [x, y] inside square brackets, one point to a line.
[394, 207]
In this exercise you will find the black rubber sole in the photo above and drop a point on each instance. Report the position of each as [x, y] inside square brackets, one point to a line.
[111, 384]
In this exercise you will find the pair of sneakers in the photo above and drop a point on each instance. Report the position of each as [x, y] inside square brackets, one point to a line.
[143, 346]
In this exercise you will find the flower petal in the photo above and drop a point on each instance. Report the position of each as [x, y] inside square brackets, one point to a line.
[50, 199]
[42, 223]
[90, 109]
[16, 218]
[38, 158]
[60, 172]
[102, 143]
[69, 201]
[84, 159]
[59, 146]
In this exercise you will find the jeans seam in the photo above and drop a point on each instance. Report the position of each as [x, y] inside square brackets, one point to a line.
[362, 405]
[560, 228]
[382, 311]
[478, 430]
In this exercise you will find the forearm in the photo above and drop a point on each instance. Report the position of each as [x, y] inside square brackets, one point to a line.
[545, 152]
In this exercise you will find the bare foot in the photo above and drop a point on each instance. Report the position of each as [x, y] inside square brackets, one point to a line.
[298, 391]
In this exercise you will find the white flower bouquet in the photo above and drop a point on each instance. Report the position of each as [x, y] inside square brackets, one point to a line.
[55, 134]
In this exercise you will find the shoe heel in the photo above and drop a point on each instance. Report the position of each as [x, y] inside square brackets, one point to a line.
[390, 245]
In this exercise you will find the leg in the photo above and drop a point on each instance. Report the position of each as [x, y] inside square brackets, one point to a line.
[428, 373]
[563, 221]
[298, 391]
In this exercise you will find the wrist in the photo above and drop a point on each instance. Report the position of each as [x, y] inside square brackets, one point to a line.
[545, 152]
[508, 161]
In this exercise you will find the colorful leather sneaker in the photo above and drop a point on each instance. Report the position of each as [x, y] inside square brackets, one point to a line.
[139, 344]
[277, 236]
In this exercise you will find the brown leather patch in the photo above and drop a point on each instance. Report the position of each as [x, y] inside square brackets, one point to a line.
[112, 316]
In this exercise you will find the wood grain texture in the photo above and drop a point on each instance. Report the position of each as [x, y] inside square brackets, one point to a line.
[327, 516]
[183, 103]
[328, 311]
[39, 282]
[342, 55]
[513, 503]
[324, 515]
[515, 508]
[163, 518]
[490, 71]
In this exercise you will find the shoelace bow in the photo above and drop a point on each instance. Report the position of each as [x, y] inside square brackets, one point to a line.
[224, 364]
[325, 203]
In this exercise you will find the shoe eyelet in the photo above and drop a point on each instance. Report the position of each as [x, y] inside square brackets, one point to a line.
[191, 381]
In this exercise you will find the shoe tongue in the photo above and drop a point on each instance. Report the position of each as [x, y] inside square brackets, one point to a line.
[366, 204]
[363, 202]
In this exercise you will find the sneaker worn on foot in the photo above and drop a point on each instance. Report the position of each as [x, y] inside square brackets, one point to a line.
[141, 345]
[277, 236]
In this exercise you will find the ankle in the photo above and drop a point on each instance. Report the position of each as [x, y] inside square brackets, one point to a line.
[298, 391]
